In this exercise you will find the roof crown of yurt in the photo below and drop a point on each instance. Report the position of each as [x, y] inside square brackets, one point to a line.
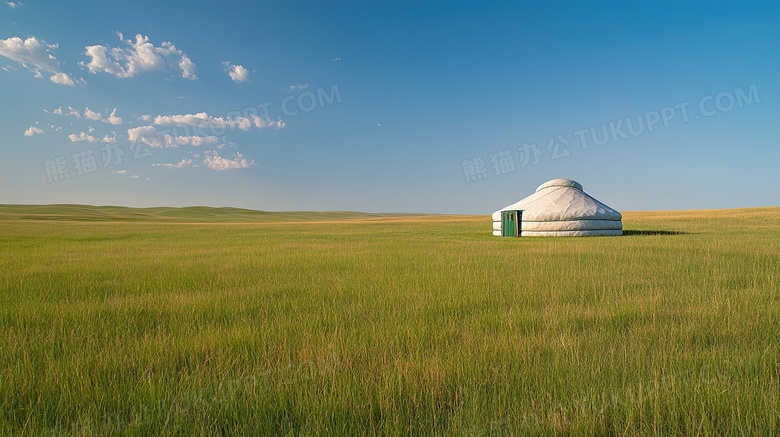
[558, 208]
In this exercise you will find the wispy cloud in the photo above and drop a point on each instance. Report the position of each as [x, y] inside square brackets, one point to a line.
[91, 115]
[35, 55]
[138, 57]
[213, 161]
[192, 140]
[128, 173]
[236, 72]
[71, 111]
[184, 163]
[201, 129]
[299, 87]
[111, 119]
[14, 5]
[205, 120]
[151, 136]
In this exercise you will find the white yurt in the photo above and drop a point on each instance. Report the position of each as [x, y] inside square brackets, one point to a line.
[558, 208]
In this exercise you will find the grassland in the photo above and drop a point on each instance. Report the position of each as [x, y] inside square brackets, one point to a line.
[171, 322]
[191, 214]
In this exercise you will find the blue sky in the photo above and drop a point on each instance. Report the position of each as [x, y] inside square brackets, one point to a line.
[446, 107]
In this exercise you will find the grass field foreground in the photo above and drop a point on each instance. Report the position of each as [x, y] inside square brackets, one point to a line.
[352, 325]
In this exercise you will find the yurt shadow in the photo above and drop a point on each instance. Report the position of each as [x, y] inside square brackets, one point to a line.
[629, 233]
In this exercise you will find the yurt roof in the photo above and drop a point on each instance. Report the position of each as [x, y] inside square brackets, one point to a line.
[561, 199]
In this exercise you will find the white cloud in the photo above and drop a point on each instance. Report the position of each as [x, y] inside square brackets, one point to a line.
[186, 65]
[32, 130]
[264, 122]
[113, 119]
[145, 134]
[62, 79]
[35, 55]
[236, 72]
[184, 163]
[156, 138]
[199, 119]
[299, 87]
[127, 173]
[204, 120]
[100, 62]
[92, 115]
[138, 57]
[216, 162]
[242, 123]
[82, 136]
[109, 140]
[191, 141]
[13, 5]
[335, 59]
[146, 117]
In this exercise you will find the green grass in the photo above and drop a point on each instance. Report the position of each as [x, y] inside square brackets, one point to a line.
[137, 322]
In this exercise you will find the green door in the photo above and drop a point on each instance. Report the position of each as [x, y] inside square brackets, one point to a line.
[510, 223]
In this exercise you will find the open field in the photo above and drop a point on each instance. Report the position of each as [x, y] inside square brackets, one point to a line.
[137, 322]
[190, 214]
